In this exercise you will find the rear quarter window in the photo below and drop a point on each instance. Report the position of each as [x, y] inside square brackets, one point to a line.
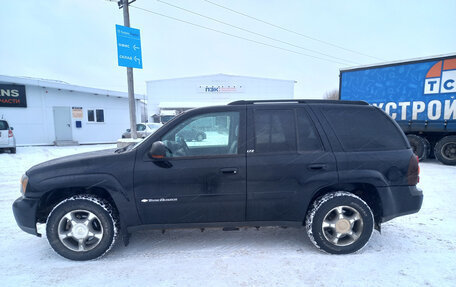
[3, 125]
[364, 128]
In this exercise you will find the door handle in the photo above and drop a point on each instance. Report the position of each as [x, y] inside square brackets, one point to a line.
[229, 170]
[317, 166]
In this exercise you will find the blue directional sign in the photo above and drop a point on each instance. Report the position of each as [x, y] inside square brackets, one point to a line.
[128, 47]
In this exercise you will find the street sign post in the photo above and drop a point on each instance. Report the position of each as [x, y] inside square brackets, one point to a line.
[128, 47]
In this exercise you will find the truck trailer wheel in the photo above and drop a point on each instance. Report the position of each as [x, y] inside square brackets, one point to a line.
[445, 150]
[419, 145]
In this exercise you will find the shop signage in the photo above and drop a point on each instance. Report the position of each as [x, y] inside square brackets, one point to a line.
[77, 112]
[220, 89]
[12, 96]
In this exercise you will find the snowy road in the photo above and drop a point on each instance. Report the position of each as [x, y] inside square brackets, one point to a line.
[415, 250]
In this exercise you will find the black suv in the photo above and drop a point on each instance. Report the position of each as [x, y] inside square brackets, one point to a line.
[338, 168]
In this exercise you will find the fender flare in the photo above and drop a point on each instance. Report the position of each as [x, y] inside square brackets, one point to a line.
[123, 200]
[372, 177]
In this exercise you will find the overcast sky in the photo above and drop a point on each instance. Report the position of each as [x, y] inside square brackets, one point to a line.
[74, 40]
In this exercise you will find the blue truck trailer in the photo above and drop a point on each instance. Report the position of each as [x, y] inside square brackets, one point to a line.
[420, 94]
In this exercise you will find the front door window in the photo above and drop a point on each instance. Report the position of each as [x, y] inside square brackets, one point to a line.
[204, 135]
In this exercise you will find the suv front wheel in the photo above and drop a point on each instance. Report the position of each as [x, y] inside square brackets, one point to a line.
[82, 227]
[339, 223]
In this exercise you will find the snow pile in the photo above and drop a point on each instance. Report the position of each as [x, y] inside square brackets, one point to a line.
[414, 250]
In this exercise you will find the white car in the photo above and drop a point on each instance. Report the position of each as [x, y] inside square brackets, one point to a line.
[7, 139]
[143, 130]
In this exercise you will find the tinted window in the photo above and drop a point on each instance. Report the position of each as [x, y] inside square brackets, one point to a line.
[3, 125]
[274, 131]
[90, 116]
[203, 135]
[308, 138]
[100, 116]
[364, 128]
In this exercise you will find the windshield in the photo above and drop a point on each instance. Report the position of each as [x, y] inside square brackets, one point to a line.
[165, 119]
[135, 145]
[154, 126]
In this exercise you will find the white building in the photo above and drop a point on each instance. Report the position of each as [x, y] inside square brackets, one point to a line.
[45, 112]
[165, 97]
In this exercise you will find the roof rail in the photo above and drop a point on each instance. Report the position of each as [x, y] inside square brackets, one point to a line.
[297, 101]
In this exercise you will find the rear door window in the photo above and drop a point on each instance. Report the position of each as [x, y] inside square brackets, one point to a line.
[364, 128]
[308, 137]
[274, 131]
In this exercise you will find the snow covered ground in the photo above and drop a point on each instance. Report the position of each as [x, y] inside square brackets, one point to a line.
[415, 250]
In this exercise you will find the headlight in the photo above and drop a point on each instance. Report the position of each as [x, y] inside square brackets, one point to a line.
[24, 181]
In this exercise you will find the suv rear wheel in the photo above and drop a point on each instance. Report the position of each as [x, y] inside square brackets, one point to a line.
[339, 223]
[82, 227]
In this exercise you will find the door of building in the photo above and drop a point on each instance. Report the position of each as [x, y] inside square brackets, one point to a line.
[62, 124]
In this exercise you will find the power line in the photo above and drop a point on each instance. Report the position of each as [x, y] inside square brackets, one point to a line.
[255, 33]
[235, 36]
[294, 32]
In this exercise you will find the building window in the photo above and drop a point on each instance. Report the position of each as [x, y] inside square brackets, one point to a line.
[100, 116]
[95, 116]
[90, 116]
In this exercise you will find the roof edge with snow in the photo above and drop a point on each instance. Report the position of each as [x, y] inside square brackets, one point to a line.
[63, 86]
[224, 75]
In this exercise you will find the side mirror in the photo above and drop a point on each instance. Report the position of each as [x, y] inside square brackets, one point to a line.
[158, 150]
[128, 130]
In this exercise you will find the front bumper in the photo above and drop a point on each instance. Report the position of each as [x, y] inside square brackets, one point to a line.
[400, 200]
[24, 210]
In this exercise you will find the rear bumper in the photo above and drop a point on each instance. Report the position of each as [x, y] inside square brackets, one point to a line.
[24, 210]
[9, 144]
[400, 200]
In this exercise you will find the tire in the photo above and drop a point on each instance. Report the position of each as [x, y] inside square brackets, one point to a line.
[13, 150]
[199, 137]
[431, 150]
[419, 145]
[82, 220]
[428, 149]
[445, 150]
[336, 235]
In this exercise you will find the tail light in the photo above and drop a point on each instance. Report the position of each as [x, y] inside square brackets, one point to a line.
[413, 173]
[10, 133]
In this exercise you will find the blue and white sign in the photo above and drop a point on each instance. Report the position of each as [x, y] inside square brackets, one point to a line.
[421, 91]
[128, 47]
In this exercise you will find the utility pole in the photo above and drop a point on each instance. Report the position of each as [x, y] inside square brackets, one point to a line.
[131, 89]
